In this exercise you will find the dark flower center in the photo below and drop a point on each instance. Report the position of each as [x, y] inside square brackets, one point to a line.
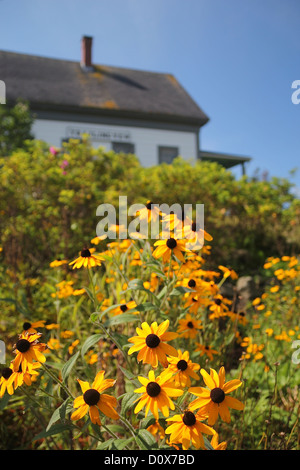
[123, 307]
[91, 397]
[182, 365]
[217, 395]
[171, 243]
[6, 372]
[22, 345]
[152, 341]
[189, 418]
[85, 253]
[242, 314]
[218, 301]
[192, 283]
[149, 205]
[190, 324]
[153, 389]
[26, 325]
[195, 227]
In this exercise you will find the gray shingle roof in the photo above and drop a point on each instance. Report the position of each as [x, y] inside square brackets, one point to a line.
[114, 90]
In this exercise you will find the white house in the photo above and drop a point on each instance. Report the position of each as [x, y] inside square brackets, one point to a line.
[132, 111]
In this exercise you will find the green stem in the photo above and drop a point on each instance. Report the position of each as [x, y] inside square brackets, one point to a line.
[56, 379]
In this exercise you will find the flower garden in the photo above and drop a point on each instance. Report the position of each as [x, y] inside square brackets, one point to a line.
[134, 344]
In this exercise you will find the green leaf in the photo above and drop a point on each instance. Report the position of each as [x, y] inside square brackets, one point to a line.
[145, 440]
[66, 369]
[179, 290]
[208, 445]
[119, 444]
[123, 318]
[146, 306]
[59, 413]
[89, 342]
[128, 401]
[130, 376]
[106, 445]
[56, 429]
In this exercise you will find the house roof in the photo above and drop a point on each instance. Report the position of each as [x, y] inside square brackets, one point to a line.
[62, 84]
[224, 159]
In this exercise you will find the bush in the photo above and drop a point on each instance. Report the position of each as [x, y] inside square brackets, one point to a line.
[48, 203]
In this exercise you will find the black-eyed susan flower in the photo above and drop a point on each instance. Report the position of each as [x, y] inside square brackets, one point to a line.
[150, 212]
[92, 400]
[195, 301]
[124, 307]
[151, 343]
[56, 263]
[168, 247]
[215, 443]
[206, 350]
[175, 221]
[87, 259]
[5, 382]
[228, 272]
[30, 327]
[219, 307]
[156, 393]
[187, 429]
[238, 317]
[189, 327]
[183, 369]
[196, 235]
[28, 349]
[28, 376]
[214, 400]
[156, 429]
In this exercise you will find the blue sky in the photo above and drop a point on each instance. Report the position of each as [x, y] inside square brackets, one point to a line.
[236, 58]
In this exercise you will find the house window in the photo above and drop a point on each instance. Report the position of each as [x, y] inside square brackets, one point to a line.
[123, 147]
[167, 154]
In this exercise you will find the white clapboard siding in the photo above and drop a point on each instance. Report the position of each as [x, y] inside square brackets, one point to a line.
[145, 140]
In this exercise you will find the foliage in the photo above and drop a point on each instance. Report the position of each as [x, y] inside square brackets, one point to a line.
[86, 330]
[82, 321]
[48, 202]
[15, 127]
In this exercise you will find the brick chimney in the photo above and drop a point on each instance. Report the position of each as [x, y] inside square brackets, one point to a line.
[86, 53]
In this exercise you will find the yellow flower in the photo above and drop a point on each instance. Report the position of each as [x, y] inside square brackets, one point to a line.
[183, 369]
[167, 247]
[207, 350]
[73, 346]
[87, 259]
[56, 263]
[94, 400]
[156, 393]
[274, 289]
[156, 428]
[66, 334]
[187, 429]
[30, 327]
[27, 350]
[150, 212]
[5, 382]
[124, 307]
[215, 399]
[188, 327]
[228, 272]
[28, 376]
[215, 443]
[151, 343]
